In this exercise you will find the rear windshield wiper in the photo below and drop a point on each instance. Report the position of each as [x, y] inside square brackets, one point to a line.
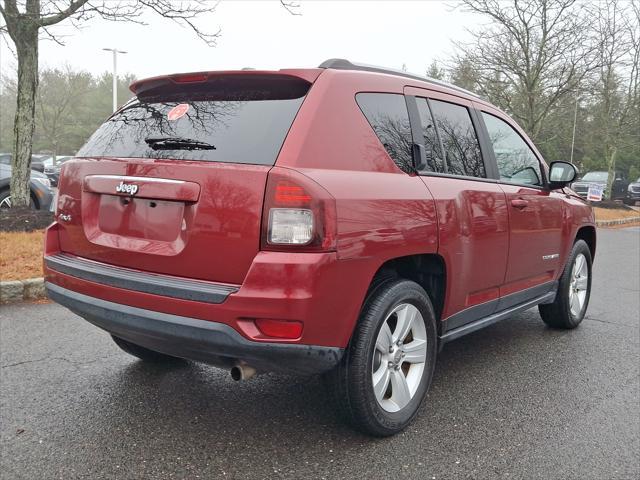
[177, 143]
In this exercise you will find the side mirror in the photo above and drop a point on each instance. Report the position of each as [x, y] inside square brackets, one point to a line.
[561, 174]
[419, 157]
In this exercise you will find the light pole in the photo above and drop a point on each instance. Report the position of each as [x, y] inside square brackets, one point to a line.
[115, 53]
[573, 135]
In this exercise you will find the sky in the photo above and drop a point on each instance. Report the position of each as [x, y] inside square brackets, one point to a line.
[263, 35]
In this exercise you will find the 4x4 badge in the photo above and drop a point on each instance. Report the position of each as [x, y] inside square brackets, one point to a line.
[127, 188]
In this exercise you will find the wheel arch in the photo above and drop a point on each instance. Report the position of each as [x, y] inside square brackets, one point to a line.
[427, 270]
[588, 234]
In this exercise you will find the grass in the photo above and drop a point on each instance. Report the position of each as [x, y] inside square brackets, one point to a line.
[20, 255]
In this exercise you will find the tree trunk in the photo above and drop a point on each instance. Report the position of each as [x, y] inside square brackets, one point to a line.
[611, 171]
[27, 49]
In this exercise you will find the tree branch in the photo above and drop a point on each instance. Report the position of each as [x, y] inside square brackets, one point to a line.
[291, 7]
[63, 14]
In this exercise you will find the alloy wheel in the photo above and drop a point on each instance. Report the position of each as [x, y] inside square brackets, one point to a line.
[578, 288]
[399, 357]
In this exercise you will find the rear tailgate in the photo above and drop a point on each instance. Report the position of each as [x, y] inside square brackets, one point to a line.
[174, 182]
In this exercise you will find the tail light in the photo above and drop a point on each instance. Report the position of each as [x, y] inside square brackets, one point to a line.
[190, 78]
[298, 214]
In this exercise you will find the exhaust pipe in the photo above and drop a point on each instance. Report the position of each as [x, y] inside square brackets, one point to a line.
[242, 372]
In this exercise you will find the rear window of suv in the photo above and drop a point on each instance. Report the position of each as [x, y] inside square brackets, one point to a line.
[237, 127]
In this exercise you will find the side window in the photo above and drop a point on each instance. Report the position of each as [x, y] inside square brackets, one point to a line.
[459, 139]
[435, 162]
[516, 162]
[388, 116]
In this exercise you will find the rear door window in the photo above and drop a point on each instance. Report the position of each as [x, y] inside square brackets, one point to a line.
[247, 129]
[388, 116]
[459, 139]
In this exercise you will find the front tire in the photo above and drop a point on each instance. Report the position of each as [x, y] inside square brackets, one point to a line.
[386, 372]
[145, 354]
[574, 290]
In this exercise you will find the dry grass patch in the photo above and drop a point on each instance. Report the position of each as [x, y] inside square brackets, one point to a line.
[20, 255]
[615, 214]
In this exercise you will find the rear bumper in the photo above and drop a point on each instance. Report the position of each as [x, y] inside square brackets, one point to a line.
[317, 289]
[133, 280]
[195, 339]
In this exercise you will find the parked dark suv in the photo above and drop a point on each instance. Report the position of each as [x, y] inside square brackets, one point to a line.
[344, 220]
[616, 192]
[633, 193]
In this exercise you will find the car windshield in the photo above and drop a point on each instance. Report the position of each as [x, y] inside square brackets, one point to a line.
[595, 177]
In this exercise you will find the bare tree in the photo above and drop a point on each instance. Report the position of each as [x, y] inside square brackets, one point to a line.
[615, 86]
[26, 20]
[531, 55]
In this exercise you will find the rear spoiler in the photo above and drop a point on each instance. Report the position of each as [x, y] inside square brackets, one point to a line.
[296, 82]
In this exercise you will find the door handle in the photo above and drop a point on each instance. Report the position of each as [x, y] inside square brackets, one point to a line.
[519, 203]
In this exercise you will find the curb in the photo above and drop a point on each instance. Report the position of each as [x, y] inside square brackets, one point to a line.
[20, 290]
[620, 221]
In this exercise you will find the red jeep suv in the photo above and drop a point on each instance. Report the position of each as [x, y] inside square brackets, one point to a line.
[345, 220]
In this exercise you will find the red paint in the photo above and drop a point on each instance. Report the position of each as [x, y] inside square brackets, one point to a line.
[491, 237]
[535, 232]
[215, 238]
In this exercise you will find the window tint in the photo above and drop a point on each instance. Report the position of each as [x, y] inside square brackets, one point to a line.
[459, 139]
[516, 162]
[435, 162]
[388, 116]
[242, 131]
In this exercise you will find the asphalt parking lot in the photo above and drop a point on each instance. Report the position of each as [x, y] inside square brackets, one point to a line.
[516, 400]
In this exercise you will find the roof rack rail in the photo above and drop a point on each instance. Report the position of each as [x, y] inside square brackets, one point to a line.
[342, 64]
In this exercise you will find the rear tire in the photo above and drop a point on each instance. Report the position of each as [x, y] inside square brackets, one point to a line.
[574, 290]
[393, 348]
[145, 354]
